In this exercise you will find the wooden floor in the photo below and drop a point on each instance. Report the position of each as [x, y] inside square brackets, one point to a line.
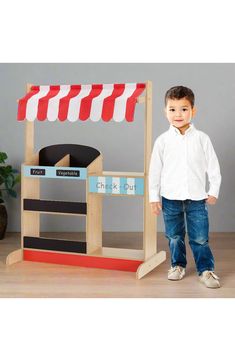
[28, 279]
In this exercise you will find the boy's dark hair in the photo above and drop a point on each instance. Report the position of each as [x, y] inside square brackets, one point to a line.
[179, 92]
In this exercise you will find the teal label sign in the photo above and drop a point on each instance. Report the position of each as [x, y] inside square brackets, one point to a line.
[55, 172]
[116, 185]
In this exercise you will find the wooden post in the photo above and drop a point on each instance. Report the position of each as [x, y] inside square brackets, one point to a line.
[150, 226]
[94, 209]
[29, 136]
[30, 221]
[30, 187]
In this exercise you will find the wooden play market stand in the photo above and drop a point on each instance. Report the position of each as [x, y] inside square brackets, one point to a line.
[96, 102]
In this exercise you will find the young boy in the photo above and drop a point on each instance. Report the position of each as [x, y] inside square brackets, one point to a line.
[180, 159]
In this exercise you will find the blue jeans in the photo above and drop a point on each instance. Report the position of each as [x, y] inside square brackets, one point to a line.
[198, 232]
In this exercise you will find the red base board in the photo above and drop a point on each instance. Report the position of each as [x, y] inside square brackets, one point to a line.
[82, 261]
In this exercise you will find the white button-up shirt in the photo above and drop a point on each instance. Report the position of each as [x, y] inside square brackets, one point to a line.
[179, 164]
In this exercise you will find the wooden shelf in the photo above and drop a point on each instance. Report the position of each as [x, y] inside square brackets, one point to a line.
[83, 260]
[121, 174]
[122, 253]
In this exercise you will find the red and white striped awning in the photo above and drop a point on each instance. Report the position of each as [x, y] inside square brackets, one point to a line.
[80, 102]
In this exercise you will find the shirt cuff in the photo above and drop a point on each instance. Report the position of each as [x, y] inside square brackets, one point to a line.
[213, 192]
[154, 197]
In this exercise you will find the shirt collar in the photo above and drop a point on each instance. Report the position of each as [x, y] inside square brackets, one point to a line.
[175, 130]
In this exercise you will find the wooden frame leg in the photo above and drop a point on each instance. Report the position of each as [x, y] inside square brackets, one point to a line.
[150, 264]
[14, 257]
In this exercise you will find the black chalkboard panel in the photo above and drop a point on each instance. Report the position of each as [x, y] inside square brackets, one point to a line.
[80, 155]
[52, 244]
[55, 206]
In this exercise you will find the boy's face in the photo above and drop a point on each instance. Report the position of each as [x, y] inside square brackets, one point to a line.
[179, 112]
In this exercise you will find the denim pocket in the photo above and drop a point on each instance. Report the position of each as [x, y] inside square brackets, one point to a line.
[171, 207]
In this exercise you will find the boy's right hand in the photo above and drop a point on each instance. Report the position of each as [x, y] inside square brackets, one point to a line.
[156, 208]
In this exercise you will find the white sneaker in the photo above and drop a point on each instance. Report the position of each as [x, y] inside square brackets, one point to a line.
[176, 273]
[210, 279]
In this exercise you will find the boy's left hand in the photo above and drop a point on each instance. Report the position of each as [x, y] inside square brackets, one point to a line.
[211, 200]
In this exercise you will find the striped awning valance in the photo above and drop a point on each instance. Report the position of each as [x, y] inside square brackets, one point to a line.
[80, 102]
